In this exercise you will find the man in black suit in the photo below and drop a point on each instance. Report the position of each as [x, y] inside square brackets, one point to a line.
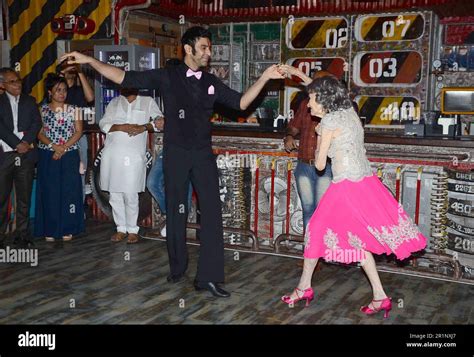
[20, 122]
[189, 95]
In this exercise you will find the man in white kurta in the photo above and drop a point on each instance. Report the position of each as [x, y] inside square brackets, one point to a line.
[126, 122]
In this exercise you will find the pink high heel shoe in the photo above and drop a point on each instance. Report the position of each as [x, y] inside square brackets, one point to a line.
[308, 295]
[386, 305]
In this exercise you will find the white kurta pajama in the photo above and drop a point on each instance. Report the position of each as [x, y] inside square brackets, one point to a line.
[123, 162]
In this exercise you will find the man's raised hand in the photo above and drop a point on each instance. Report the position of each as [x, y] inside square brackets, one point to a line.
[273, 72]
[75, 57]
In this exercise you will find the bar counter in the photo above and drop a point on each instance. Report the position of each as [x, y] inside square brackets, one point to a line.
[370, 137]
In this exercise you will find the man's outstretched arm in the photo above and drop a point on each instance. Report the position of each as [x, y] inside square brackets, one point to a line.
[108, 71]
[249, 96]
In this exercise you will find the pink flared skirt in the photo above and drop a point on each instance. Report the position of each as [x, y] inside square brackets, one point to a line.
[357, 216]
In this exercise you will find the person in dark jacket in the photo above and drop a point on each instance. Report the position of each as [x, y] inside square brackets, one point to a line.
[20, 122]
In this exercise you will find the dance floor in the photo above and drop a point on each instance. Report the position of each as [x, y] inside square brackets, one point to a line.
[91, 280]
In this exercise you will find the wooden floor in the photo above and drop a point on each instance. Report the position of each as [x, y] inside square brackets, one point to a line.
[108, 288]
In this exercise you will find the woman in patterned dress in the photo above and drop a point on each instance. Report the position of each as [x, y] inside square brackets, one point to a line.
[59, 207]
[357, 216]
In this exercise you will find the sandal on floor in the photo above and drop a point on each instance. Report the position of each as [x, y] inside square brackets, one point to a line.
[132, 238]
[49, 239]
[118, 237]
[67, 238]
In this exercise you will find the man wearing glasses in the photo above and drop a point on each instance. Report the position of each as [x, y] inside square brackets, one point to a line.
[20, 122]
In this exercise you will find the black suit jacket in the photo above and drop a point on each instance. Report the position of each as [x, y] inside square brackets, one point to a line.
[29, 122]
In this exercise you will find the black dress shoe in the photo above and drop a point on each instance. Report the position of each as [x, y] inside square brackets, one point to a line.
[212, 287]
[175, 278]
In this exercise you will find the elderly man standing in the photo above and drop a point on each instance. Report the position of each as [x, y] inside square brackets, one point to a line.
[20, 122]
[123, 164]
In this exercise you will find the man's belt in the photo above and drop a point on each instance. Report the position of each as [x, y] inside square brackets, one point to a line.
[308, 161]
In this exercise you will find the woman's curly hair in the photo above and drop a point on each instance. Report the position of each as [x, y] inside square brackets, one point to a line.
[330, 93]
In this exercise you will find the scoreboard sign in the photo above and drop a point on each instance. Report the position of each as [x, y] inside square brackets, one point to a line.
[385, 54]
[388, 110]
[388, 68]
[461, 243]
[461, 207]
[467, 176]
[461, 188]
[334, 65]
[460, 228]
[322, 33]
[389, 28]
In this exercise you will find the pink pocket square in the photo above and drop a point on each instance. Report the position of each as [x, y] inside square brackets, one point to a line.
[210, 90]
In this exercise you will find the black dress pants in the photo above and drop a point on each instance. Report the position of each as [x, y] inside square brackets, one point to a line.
[14, 170]
[198, 165]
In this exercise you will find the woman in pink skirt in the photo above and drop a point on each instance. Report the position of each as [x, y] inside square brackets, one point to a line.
[357, 216]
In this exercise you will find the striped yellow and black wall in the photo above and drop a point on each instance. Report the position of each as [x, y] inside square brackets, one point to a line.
[33, 43]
